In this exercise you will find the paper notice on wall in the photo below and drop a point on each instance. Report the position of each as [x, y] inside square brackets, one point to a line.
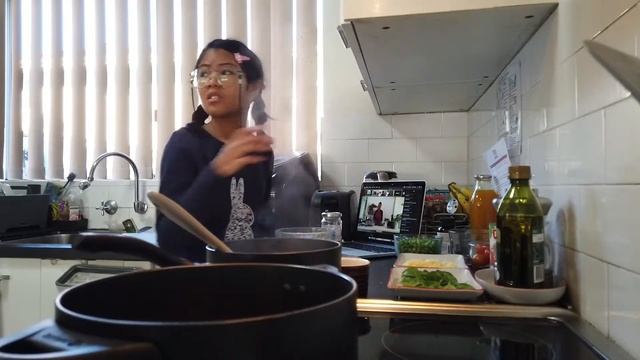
[509, 110]
[498, 161]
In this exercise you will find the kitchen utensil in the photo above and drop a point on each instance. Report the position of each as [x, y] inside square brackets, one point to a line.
[67, 185]
[357, 269]
[486, 278]
[625, 68]
[182, 218]
[462, 275]
[221, 311]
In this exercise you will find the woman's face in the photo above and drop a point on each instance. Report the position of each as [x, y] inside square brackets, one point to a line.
[221, 94]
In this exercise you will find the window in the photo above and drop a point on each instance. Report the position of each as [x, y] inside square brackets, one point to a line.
[83, 77]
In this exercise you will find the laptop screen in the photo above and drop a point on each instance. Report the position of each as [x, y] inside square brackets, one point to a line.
[390, 207]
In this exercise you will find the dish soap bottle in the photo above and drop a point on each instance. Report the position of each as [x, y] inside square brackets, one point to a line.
[520, 245]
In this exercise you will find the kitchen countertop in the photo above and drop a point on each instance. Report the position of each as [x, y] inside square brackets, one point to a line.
[378, 277]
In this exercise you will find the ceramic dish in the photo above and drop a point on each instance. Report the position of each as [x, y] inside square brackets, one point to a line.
[462, 275]
[517, 295]
[430, 261]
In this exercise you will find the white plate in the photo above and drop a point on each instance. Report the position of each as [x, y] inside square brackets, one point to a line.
[462, 275]
[518, 295]
[456, 260]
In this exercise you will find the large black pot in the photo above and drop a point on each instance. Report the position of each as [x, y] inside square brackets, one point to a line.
[217, 311]
[280, 251]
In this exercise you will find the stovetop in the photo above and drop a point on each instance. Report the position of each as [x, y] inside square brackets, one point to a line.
[458, 337]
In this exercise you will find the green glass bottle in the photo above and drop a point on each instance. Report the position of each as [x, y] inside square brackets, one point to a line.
[520, 247]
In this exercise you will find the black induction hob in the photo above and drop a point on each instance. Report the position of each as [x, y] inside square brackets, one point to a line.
[458, 337]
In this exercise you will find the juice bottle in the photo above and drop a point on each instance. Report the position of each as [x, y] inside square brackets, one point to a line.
[482, 212]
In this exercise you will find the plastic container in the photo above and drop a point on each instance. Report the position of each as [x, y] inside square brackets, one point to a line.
[304, 233]
[417, 244]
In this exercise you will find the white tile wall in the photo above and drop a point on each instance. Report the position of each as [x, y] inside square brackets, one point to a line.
[588, 292]
[624, 311]
[454, 124]
[417, 125]
[622, 153]
[384, 150]
[355, 140]
[443, 149]
[334, 174]
[429, 171]
[345, 151]
[356, 172]
[580, 130]
[122, 191]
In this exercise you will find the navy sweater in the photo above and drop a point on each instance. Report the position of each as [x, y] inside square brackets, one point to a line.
[187, 177]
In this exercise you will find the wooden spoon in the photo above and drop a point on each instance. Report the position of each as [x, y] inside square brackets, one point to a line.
[185, 220]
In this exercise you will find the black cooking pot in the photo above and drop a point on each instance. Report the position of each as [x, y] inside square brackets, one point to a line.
[218, 311]
[280, 251]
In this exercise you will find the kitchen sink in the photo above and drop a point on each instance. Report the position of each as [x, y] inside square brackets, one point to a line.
[46, 239]
[60, 246]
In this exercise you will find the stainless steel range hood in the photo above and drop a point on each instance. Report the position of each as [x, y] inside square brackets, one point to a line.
[437, 60]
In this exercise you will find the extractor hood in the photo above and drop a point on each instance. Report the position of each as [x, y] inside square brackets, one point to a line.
[439, 61]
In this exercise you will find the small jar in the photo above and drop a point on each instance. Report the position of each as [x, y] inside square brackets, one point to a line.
[332, 220]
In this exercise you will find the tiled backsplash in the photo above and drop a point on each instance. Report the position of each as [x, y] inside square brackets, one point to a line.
[580, 129]
[122, 191]
[356, 140]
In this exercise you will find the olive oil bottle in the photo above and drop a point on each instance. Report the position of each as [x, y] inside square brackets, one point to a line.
[520, 247]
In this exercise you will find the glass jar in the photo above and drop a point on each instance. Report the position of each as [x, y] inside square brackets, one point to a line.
[332, 220]
[482, 212]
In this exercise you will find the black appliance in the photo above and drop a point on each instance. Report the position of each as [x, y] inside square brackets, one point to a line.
[23, 214]
[345, 202]
[293, 183]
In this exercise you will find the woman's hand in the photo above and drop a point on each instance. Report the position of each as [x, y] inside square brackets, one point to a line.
[246, 146]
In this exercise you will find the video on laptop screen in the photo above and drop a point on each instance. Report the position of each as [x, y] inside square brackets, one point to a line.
[388, 208]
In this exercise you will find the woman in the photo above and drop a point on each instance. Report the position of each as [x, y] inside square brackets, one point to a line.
[216, 167]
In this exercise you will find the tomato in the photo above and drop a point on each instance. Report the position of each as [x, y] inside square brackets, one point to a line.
[482, 256]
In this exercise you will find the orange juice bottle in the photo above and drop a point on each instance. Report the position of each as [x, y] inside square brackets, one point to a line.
[482, 212]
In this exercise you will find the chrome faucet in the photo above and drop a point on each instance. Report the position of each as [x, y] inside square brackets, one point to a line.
[139, 206]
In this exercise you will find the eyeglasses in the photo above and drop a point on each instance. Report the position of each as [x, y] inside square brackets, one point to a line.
[203, 77]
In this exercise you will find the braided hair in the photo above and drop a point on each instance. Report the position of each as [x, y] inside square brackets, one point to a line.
[252, 70]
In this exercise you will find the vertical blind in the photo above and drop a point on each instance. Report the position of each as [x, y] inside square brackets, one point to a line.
[113, 75]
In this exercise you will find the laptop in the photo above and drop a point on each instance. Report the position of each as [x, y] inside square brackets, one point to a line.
[385, 209]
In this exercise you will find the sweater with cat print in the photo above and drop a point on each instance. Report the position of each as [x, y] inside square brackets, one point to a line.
[233, 208]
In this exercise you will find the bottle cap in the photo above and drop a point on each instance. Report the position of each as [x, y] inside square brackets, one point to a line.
[482, 177]
[520, 172]
[332, 214]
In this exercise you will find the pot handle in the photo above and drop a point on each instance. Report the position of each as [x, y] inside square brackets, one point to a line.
[48, 341]
[123, 244]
